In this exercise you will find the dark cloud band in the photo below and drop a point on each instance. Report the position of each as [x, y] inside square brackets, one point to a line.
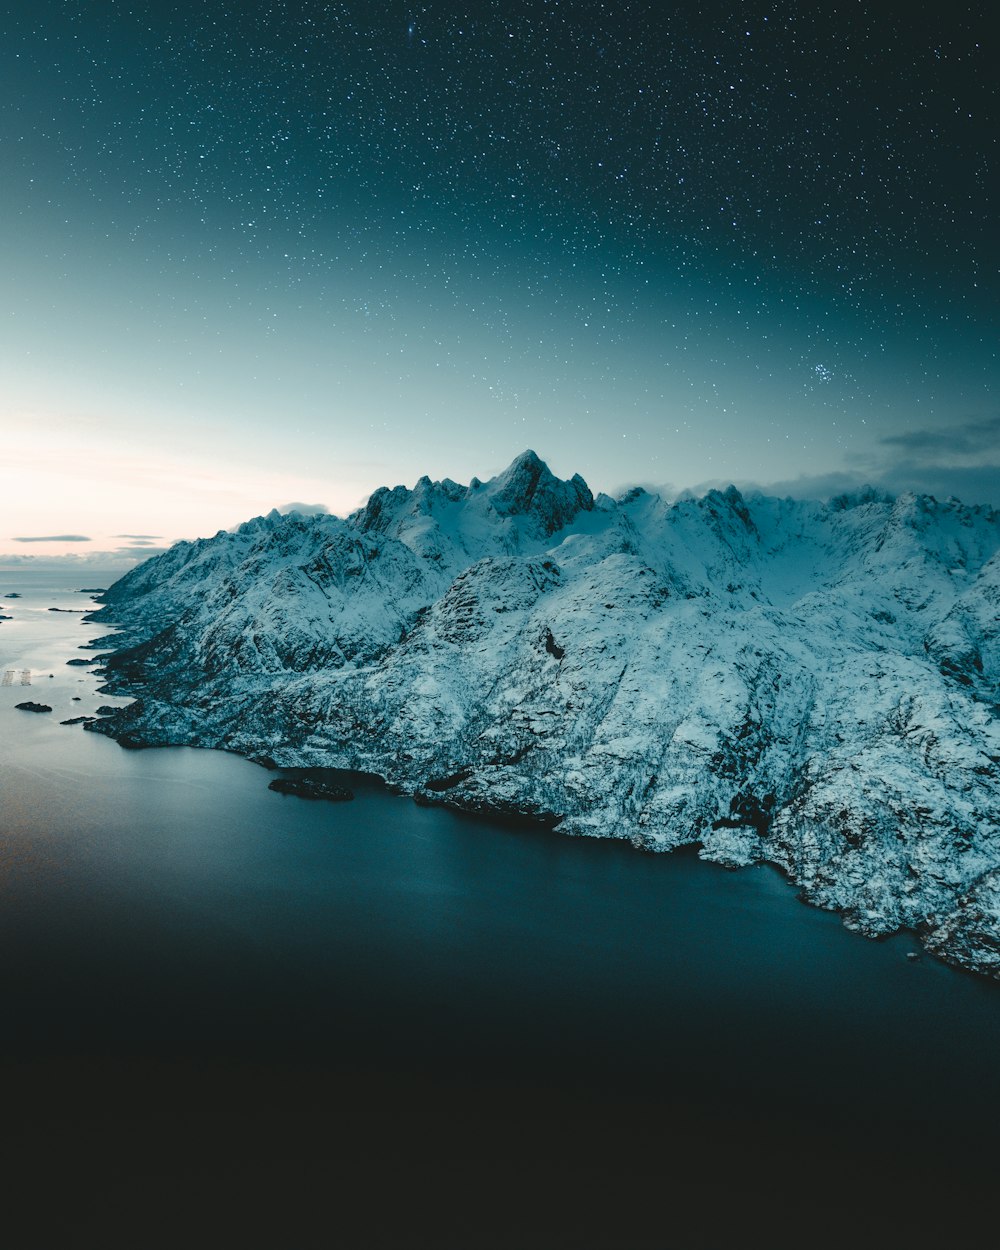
[967, 438]
[54, 538]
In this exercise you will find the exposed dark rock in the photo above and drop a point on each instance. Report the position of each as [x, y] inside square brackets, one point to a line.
[33, 707]
[78, 720]
[311, 788]
[528, 486]
[439, 784]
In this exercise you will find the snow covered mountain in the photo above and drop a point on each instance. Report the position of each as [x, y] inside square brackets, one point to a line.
[815, 685]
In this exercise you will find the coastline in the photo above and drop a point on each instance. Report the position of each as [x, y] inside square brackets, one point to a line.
[120, 727]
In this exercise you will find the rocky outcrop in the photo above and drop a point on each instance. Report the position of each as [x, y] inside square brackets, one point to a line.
[312, 788]
[812, 685]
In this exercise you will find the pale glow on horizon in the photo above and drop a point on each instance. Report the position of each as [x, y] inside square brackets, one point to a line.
[55, 481]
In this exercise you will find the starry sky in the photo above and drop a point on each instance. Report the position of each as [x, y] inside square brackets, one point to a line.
[262, 253]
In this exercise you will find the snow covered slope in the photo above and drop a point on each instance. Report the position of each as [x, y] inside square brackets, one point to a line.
[810, 684]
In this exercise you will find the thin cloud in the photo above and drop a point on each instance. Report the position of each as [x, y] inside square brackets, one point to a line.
[972, 484]
[100, 561]
[54, 538]
[960, 461]
[920, 442]
[140, 538]
[304, 509]
[140, 549]
[970, 438]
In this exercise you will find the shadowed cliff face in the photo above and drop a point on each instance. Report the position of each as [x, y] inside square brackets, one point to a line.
[528, 488]
[814, 685]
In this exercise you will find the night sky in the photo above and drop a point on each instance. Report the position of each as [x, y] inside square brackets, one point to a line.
[260, 253]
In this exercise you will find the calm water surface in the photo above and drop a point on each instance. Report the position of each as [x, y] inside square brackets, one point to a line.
[165, 902]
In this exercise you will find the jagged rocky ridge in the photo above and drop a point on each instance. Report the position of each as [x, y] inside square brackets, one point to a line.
[814, 685]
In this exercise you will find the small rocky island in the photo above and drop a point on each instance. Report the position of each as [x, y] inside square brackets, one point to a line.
[32, 707]
[312, 788]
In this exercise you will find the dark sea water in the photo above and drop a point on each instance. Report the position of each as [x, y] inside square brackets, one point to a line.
[373, 1023]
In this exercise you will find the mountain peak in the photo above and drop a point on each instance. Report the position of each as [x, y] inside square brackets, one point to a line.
[518, 483]
[529, 459]
[528, 486]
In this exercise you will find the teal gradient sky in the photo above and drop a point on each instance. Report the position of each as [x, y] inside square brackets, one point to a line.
[295, 252]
